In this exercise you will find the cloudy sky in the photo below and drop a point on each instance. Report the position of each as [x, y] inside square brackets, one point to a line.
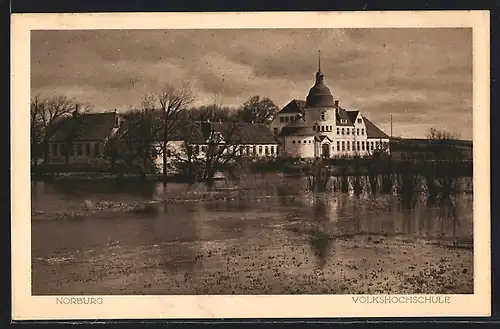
[423, 77]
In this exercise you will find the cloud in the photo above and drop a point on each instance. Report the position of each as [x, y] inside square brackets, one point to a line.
[409, 73]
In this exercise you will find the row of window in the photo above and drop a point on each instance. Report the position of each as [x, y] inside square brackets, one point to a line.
[358, 146]
[286, 119]
[79, 149]
[347, 131]
[350, 145]
[343, 131]
[244, 150]
[304, 141]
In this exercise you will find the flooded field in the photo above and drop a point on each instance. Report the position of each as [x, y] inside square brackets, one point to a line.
[258, 235]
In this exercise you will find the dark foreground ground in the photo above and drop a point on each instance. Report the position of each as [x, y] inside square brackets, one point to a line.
[253, 248]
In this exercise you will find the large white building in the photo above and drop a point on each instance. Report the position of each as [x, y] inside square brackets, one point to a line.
[320, 127]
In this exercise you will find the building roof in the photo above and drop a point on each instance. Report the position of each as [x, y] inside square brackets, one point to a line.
[295, 106]
[319, 95]
[373, 131]
[341, 113]
[199, 132]
[298, 130]
[352, 115]
[243, 132]
[84, 127]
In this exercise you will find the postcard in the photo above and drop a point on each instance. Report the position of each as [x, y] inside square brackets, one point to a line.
[250, 165]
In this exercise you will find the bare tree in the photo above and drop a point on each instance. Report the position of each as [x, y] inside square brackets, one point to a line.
[436, 134]
[213, 113]
[258, 110]
[46, 113]
[224, 146]
[169, 103]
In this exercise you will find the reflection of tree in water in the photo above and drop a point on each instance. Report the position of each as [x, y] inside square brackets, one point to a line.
[319, 234]
[104, 186]
[320, 243]
[177, 234]
[448, 214]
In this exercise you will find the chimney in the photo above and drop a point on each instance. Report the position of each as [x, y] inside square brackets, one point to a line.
[336, 103]
[76, 111]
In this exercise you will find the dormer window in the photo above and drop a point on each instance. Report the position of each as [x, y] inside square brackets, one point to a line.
[323, 116]
[359, 120]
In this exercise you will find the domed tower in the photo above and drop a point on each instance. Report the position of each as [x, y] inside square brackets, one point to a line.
[319, 95]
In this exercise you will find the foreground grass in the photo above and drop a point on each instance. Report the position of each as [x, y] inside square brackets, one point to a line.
[356, 265]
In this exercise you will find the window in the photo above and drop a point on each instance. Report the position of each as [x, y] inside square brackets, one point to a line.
[338, 131]
[348, 131]
[87, 149]
[70, 150]
[286, 119]
[97, 150]
[305, 142]
[293, 142]
[322, 128]
[378, 145]
[359, 120]
[323, 116]
[272, 149]
[248, 150]
[275, 131]
[338, 146]
[282, 119]
[343, 131]
[357, 131]
[362, 131]
[260, 149]
[343, 145]
[309, 142]
[54, 150]
[353, 131]
[197, 148]
[348, 145]
[79, 149]
[267, 150]
[203, 148]
[254, 150]
[358, 146]
[63, 149]
[362, 146]
[372, 145]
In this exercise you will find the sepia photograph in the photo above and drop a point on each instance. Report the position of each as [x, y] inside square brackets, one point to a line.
[252, 161]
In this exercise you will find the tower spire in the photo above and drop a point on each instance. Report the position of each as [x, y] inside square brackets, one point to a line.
[319, 60]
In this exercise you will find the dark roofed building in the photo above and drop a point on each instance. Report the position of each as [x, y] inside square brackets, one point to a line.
[82, 136]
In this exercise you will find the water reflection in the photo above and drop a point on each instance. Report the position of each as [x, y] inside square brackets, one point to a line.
[175, 235]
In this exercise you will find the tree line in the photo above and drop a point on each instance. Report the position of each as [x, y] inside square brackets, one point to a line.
[159, 117]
